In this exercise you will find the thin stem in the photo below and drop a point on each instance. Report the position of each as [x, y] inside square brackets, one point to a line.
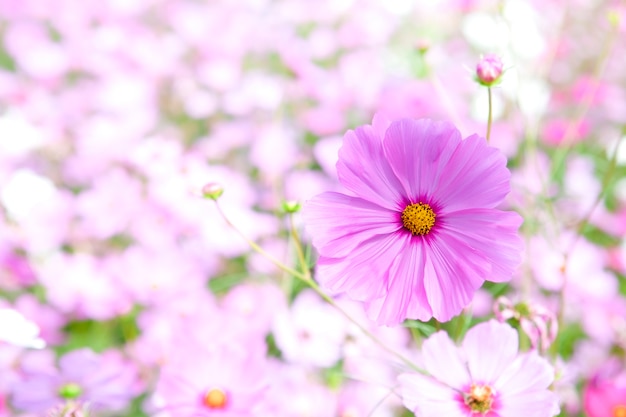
[586, 103]
[257, 248]
[306, 271]
[305, 276]
[584, 221]
[489, 116]
[365, 331]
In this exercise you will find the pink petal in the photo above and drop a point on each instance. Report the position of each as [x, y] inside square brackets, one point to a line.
[363, 274]
[427, 397]
[489, 234]
[443, 360]
[490, 347]
[338, 223]
[475, 176]
[363, 169]
[380, 124]
[541, 403]
[528, 372]
[418, 151]
[406, 296]
[451, 277]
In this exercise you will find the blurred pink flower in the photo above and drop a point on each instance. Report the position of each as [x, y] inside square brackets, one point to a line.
[605, 394]
[49, 320]
[536, 321]
[416, 234]
[311, 332]
[83, 285]
[358, 399]
[565, 132]
[105, 381]
[295, 392]
[15, 268]
[225, 381]
[485, 376]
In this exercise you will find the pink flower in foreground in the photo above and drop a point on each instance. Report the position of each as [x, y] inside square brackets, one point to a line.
[484, 377]
[419, 231]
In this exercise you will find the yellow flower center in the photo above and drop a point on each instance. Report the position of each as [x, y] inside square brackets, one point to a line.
[619, 410]
[215, 398]
[480, 398]
[419, 218]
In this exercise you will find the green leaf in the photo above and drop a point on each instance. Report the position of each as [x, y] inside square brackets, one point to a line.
[424, 328]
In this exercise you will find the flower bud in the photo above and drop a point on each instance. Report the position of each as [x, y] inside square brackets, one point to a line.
[422, 46]
[489, 70]
[291, 207]
[212, 190]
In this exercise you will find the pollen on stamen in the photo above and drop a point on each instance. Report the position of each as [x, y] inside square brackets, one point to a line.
[418, 219]
[480, 398]
[215, 398]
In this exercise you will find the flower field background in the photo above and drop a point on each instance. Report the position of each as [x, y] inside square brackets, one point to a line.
[231, 208]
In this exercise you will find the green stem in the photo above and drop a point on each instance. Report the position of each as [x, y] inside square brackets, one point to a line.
[257, 248]
[584, 221]
[306, 271]
[560, 156]
[489, 117]
[305, 276]
[365, 331]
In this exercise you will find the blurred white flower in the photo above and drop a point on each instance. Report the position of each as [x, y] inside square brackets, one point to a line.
[17, 330]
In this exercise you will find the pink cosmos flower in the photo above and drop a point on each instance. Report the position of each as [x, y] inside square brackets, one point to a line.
[605, 394]
[226, 381]
[485, 377]
[418, 230]
[106, 381]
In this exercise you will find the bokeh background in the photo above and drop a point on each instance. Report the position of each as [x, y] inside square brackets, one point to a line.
[114, 114]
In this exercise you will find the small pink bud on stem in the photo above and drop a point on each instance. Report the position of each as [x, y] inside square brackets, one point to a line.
[212, 190]
[489, 70]
[422, 46]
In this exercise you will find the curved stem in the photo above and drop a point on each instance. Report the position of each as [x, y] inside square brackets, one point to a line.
[257, 248]
[584, 221]
[586, 103]
[305, 276]
[365, 331]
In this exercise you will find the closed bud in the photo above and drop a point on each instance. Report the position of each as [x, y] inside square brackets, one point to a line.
[212, 190]
[489, 70]
[291, 206]
[422, 46]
